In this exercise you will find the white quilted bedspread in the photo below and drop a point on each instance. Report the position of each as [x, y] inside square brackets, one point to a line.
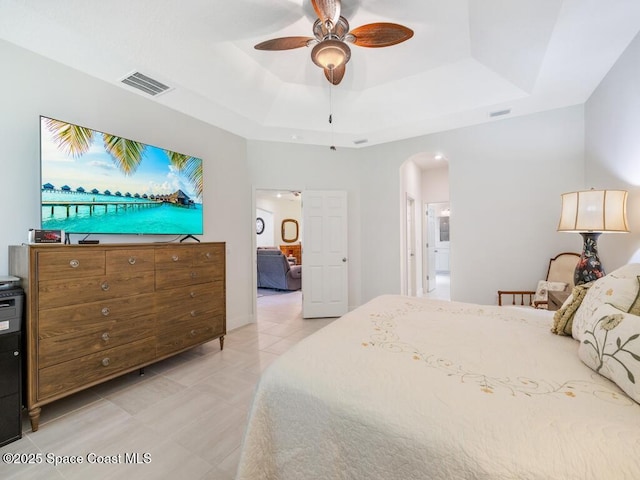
[405, 388]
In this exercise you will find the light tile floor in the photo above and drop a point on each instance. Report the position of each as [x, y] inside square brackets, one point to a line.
[187, 413]
[443, 288]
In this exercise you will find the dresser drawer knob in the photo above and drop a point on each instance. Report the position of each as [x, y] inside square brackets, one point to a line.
[175, 258]
[105, 361]
[105, 336]
[132, 260]
[194, 333]
[208, 255]
[194, 274]
[192, 294]
[193, 313]
[74, 263]
[105, 286]
[105, 311]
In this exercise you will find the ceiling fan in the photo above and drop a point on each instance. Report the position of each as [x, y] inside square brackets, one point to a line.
[331, 36]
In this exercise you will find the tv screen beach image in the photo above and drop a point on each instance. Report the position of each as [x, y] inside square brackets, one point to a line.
[93, 182]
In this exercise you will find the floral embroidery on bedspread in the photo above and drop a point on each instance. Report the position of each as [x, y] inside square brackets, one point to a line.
[386, 338]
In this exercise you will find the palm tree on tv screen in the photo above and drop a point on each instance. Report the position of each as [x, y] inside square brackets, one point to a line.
[126, 154]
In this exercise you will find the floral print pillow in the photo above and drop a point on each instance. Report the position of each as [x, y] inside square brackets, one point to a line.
[612, 289]
[610, 345]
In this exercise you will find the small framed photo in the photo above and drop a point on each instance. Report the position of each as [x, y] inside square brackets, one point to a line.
[46, 236]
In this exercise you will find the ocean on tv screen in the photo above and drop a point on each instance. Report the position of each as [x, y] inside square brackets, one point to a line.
[118, 214]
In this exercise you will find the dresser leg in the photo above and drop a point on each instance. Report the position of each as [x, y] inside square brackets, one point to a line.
[141, 371]
[34, 416]
[222, 342]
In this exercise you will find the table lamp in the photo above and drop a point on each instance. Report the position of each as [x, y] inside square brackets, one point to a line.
[591, 213]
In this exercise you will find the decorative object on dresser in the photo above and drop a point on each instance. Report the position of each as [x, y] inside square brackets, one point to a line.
[559, 278]
[294, 251]
[591, 213]
[95, 312]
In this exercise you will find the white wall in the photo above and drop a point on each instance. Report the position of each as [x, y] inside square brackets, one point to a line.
[505, 178]
[411, 187]
[435, 185]
[37, 86]
[505, 181]
[612, 145]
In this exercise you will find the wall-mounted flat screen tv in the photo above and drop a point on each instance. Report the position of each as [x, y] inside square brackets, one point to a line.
[97, 183]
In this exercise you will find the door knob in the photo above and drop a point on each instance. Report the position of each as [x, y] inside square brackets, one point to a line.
[344, 259]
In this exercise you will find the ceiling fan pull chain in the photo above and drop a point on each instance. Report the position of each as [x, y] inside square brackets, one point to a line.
[333, 146]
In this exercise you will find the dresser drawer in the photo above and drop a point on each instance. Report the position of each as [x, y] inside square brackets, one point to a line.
[74, 263]
[83, 371]
[182, 318]
[120, 261]
[184, 277]
[211, 253]
[76, 319]
[173, 339]
[58, 293]
[185, 298]
[54, 350]
[173, 257]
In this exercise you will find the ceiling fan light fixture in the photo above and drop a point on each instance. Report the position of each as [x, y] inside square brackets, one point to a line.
[330, 54]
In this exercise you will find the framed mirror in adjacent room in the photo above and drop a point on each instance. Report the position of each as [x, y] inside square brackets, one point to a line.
[289, 230]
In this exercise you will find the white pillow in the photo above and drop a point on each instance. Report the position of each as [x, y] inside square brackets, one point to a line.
[618, 291]
[610, 345]
[630, 270]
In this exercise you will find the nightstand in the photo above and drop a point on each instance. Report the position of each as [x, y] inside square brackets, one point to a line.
[556, 299]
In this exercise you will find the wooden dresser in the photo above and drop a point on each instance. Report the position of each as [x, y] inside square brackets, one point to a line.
[94, 312]
[293, 249]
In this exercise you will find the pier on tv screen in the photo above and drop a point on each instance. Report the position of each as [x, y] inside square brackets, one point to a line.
[95, 182]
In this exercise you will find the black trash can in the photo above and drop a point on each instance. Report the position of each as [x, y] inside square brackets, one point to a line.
[11, 353]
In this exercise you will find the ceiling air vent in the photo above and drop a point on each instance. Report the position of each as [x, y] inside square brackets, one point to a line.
[499, 113]
[361, 141]
[145, 83]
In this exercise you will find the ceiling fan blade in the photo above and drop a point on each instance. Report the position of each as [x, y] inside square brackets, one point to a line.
[327, 10]
[284, 43]
[381, 34]
[338, 74]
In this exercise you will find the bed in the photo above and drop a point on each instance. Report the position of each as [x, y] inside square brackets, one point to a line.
[408, 388]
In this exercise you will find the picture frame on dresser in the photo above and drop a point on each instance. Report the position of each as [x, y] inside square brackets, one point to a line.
[95, 312]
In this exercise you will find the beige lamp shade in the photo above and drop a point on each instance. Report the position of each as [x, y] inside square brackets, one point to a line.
[594, 211]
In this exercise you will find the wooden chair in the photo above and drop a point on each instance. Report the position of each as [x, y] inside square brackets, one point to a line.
[561, 269]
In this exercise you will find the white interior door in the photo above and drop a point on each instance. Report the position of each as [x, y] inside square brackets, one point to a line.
[431, 249]
[324, 254]
[411, 247]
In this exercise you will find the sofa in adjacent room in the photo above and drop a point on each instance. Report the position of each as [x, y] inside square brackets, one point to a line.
[274, 270]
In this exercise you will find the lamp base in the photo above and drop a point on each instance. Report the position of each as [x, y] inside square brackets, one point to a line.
[589, 267]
